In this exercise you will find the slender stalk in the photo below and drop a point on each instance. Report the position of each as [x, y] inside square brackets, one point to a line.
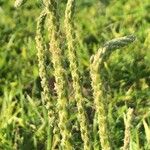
[99, 104]
[46, 96]
[69, 30]
[59, 73]
[127, 121]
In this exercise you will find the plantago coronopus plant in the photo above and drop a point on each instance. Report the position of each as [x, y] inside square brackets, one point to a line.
[46, 96]
[70, 35]
[96, 64]
[59, 73]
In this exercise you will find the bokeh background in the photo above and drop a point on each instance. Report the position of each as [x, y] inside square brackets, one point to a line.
[126, 73]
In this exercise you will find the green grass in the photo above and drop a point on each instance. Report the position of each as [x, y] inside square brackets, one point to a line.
[126, 75]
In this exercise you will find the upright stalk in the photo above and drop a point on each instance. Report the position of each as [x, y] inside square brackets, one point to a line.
[127, 121]
[100, 104]
[70, 36]
[46, 96]
[97, 62]
[59, 73]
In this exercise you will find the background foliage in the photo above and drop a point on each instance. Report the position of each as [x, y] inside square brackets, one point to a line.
[126, 73]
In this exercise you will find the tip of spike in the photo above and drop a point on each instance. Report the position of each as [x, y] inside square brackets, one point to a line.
[119, 42]
[131, 37]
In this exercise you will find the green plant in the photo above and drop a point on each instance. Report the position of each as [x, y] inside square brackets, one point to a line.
[71, 42]
[46, 94]
[53, 105]
[60, 78]
[59, 73]
[96, 63]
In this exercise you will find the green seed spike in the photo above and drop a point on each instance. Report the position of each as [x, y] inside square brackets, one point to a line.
[112, 45]
[46, 96]
[99, 104]
[46, 93]
[117, 43]
[96, 63]
[72, 57]
[19, 3]
[60, 76]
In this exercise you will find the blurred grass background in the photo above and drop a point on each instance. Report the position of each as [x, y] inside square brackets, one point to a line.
[126, 73]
